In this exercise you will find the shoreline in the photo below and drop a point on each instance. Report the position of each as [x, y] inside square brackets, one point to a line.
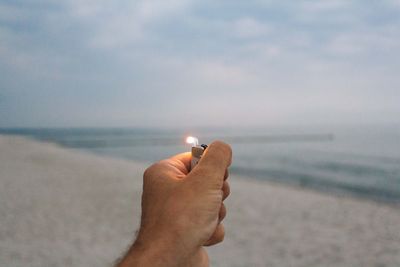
[336, 192]
[68, 207]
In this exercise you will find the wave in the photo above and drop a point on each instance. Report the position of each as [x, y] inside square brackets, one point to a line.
[315, 182]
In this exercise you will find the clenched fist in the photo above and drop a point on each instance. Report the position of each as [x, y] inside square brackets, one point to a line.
[181, 210]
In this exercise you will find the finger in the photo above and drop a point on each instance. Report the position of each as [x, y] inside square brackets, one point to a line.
[185, 159]
[218, 151]
[226, 190]
[226, 174]
[213, 164]
[222, 213]
[217, 237]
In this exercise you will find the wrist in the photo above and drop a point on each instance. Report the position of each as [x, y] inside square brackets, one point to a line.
[155, 252]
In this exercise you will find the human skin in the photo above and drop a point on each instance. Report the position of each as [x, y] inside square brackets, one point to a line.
[182, 211]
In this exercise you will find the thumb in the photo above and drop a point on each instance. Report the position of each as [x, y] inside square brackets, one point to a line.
[210, 170]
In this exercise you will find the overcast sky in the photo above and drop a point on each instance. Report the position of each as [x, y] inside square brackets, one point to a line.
[183, 63]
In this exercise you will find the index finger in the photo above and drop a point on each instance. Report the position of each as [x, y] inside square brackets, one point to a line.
[185, 158]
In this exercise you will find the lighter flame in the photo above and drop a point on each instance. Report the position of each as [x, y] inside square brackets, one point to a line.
[192, 140]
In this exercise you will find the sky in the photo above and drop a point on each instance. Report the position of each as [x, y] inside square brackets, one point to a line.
[182, 63]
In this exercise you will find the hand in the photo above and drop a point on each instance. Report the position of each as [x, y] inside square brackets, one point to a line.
[182, 211]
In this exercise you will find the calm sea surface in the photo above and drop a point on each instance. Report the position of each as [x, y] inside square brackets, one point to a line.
[358, 161]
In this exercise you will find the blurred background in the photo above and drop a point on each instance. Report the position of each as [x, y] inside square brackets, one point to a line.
[306, 92]
[126, 71]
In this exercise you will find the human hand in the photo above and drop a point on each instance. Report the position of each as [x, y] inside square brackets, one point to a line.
[182, 211]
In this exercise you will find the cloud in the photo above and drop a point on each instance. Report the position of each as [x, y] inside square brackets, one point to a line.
[221, 74]
[124, 23]
[87, 62]
[249, 27]
[10, 13]
[395, 3]
[383, 42]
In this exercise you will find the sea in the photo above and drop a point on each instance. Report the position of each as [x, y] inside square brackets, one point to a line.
[362, 161]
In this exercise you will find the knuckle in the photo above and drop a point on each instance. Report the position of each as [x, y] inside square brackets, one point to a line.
[152, 170]
[226, 190]
[147, 173]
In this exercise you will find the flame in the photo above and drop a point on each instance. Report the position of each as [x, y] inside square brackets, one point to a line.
[192, 140]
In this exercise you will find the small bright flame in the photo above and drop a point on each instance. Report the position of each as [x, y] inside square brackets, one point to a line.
[192, 140]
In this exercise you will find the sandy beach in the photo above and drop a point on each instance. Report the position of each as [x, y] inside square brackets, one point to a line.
[63, 207]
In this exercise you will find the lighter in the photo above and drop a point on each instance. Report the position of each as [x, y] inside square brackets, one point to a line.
[197, 150]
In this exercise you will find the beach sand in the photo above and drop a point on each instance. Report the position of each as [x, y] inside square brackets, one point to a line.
[62, 207]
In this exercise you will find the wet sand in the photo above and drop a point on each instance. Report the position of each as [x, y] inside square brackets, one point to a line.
[62, 207]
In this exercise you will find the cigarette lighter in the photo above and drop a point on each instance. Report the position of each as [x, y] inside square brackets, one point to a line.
[197, 150]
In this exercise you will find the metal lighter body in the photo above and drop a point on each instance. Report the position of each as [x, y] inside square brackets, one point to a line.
[197, 153]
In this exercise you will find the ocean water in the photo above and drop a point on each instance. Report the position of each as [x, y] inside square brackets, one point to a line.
[360, 161]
